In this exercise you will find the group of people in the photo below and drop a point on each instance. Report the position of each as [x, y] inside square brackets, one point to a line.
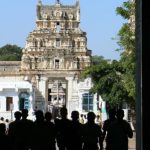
[64, 133]
[5, 121]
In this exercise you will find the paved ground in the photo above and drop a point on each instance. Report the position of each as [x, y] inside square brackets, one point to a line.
[132, 142]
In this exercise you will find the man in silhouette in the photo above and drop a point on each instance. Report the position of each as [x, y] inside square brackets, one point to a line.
[2, 120]
[39, 132]
[63, 127]
[50, 132]
[4, 141]
[76, 131]
[92, 134]
[119, 132]
[25, 128]
[13, 130]
[106, 127]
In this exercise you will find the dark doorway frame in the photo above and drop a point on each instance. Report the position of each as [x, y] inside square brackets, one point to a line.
[139, 101]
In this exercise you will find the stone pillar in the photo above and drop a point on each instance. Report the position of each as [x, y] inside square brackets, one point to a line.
[69, 94]
[31, 99]
[42, 93]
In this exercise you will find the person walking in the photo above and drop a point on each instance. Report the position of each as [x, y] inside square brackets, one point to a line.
[13, 130]
[107, 127]
[119, 132]
[4, 140]
[92, 134]
[76, 131]
[63, 128]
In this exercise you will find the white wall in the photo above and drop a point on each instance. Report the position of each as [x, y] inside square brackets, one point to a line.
[11, 88]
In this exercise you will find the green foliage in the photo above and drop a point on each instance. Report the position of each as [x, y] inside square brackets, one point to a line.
[127, 34]
[126, 38]
[127, 46]
[10, 53]
[107, 81]
[128, 63]
[97, 59]
[126, 10]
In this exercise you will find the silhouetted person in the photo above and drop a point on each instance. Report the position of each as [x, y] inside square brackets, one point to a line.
[119, 132]
[4, 141]
[13, 131]
[2, 120]
[50, 132]
[76, 131]
[25, 128]
[39, 132]
[92, 134]
[63, 127]
[106, 127]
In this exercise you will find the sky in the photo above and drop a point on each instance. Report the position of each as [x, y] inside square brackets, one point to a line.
[98, 19]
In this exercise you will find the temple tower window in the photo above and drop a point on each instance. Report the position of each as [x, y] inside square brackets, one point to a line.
[41, 43]
[58, 27]
[57, 42]
[35, 43]
[56, 63]
[78, 44]
[73, 43]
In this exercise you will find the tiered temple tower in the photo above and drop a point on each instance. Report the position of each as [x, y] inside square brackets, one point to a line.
[54, 56]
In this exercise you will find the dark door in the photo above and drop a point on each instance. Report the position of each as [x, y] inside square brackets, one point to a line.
[9, 101]
[21, 106]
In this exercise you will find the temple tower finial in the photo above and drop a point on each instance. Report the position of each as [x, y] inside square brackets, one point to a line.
[39, 2]
[77, 3]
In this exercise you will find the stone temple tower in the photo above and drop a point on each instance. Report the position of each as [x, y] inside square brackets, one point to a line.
[54, 56]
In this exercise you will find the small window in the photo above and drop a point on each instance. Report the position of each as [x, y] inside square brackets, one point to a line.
[49, 95]
[57, 42]
[87, 102]
[35, 43]
[57, 64]
[41, 43]
[78, 63]
[73, 43]
[78, 44]
[58, 27]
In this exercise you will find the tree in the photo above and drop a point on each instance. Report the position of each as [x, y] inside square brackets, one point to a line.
[98, 59]
[10, 53]
[115, 80]
[127, 45]
[107, 81]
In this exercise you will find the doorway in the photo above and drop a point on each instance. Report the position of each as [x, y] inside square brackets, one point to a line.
[9, 102]
[24, 101]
